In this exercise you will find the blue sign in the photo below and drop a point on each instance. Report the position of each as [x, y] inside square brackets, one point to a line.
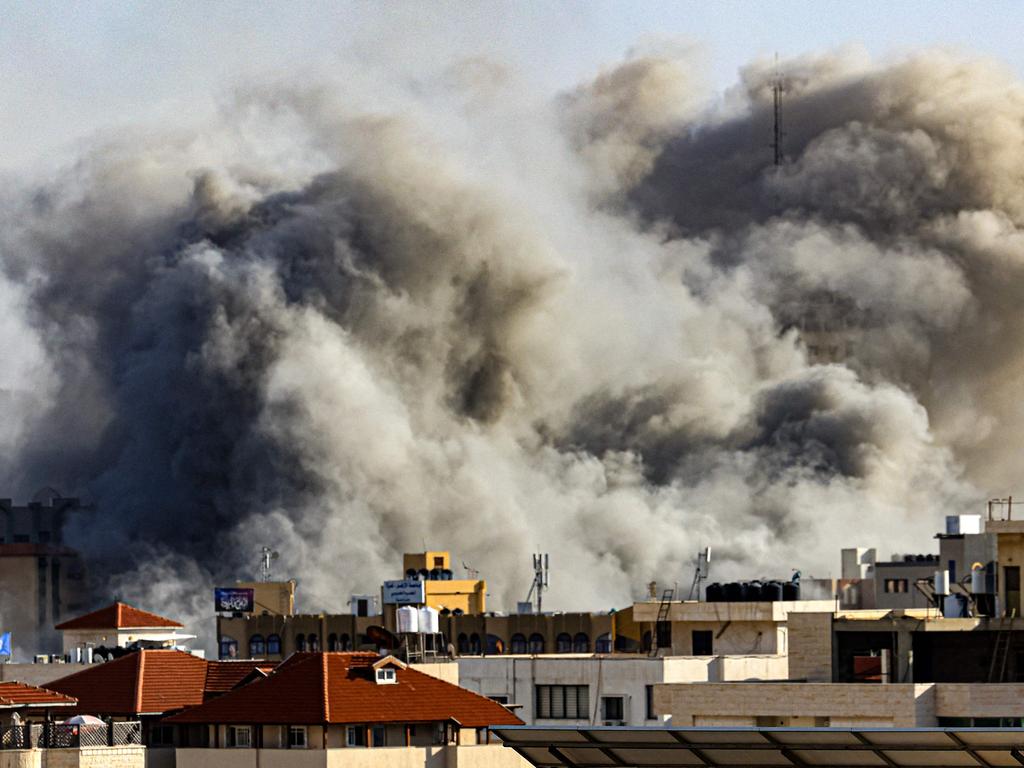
[5, 644]
[234, 600]
[405, 592]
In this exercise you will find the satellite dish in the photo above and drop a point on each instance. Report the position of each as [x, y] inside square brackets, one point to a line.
[274, 555]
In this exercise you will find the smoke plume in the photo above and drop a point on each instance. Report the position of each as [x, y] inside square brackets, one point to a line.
[603, 326]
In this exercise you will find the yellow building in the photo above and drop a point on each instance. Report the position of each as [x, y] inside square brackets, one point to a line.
[441, 590]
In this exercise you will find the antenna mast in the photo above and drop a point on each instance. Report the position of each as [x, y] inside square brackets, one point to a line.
[778, 87]
[540, 579]
[267, 555]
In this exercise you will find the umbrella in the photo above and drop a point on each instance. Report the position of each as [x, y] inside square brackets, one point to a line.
[84, 720]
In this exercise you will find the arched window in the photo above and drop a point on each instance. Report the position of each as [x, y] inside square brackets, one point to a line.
[536, 643]
[228, 647]
[257, 647]
[474, 644]
[345, 642]
[313, 642]
[563, 643]
[332, 642]
[603, 644]
[581, 643]
[494, 645]
[518, 643]
[274, 645]
[462, 644]
[300, 642]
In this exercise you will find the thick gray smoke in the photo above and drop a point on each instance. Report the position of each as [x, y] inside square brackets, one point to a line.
[482, 322]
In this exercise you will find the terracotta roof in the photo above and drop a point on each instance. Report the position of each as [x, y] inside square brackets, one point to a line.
[144, 682]
[222, 676]
[17, 695]
[119, 616]
[311, 688]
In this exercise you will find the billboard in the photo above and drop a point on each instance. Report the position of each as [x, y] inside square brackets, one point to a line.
[233, 600]
[405, 592]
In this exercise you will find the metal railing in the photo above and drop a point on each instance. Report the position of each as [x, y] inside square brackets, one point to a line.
[60, 736]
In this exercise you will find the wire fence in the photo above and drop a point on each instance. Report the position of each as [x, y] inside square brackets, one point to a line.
[61, 736]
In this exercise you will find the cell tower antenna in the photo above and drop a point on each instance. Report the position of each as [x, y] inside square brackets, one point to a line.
[778, 88]
[540, 580]
[267, 556]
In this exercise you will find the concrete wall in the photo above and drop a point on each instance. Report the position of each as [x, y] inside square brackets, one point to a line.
[979, 700]
[95, 757]
[703, 669]
[843, 704]
[446, 671]
[20, 758]
[810, 647]
[730, 637]
[484, 756]
[38, 674]
[516, 678]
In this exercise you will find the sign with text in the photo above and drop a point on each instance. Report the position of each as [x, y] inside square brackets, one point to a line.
[405, 592]
[234, 600]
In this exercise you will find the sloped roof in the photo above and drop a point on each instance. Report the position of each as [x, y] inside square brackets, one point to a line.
[19, 695]
[222, 676]
[340, 688]
[119, 616]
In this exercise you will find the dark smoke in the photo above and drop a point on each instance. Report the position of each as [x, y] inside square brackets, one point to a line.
[583, 326]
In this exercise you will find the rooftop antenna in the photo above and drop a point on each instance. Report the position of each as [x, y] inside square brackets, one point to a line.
[778, 88]
[470, 571]
[267, 555]
[700, 574]
[540, 579]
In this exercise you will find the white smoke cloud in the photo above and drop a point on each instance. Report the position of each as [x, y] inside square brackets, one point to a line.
[477, 320]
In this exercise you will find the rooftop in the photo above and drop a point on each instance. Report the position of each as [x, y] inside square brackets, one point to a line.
[311, 688]
[119, 616]
[14, 695]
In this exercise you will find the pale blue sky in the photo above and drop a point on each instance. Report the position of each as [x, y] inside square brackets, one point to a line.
[71, 69]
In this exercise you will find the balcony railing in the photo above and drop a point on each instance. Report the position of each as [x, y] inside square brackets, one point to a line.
[59, 736]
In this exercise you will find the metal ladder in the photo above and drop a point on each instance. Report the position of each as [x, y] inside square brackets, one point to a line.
[1004, 638]
[663, 613]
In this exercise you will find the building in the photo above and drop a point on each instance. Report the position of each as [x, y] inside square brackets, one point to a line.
[440, 589]
[43, 580]
[335, 701]
[110, 630]
[20, 703]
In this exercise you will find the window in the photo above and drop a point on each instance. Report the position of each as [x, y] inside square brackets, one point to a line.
[297, 736]
[649, 707]
[161, 736]
[239, 736]
[346, 642]
[355, 736]
[257, 647]
[313, 642]
[563, 643]
[228, 647]
[562, 702]
[474, 644]
[332, 642]
[499, 699]
[603, 644]
[893, 586]
[536, 643]
[462, 644]
[274, 644]
[613, 708]
[300, 642]
[377, 735]
[703, 642]
[494, 645]
[518, 643]
[439, 562]
[386, 676]
[581, 643]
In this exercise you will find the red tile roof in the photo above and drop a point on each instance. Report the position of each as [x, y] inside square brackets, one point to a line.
[153, 681]
[311, 688]
[14, 694]
[119, 616]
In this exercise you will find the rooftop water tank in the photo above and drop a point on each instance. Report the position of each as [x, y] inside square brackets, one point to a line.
[408, 619]
[428, 621]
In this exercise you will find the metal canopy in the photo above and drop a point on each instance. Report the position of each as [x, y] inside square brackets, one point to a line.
[593, 747]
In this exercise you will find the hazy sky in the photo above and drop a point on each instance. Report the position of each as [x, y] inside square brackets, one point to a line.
[72, 69]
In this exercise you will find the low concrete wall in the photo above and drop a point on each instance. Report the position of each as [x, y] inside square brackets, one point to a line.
[485, 756]
[443, 670]
[160, 757]
[389, 757]
[481, 756]
[19, 758]
[95, 757]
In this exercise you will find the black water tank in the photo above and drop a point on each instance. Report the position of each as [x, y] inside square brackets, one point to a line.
[790, 591]
[714, 593]
[734, 592]
[753, 594]
[771, 591]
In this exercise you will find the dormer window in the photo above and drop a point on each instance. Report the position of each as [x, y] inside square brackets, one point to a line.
[386, 676]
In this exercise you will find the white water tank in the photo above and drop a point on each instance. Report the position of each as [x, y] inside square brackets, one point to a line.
[408, 619]
[429, 624]
[978, 581]
[942, 582]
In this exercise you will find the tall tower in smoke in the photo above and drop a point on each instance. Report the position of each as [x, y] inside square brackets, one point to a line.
[777, 90]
